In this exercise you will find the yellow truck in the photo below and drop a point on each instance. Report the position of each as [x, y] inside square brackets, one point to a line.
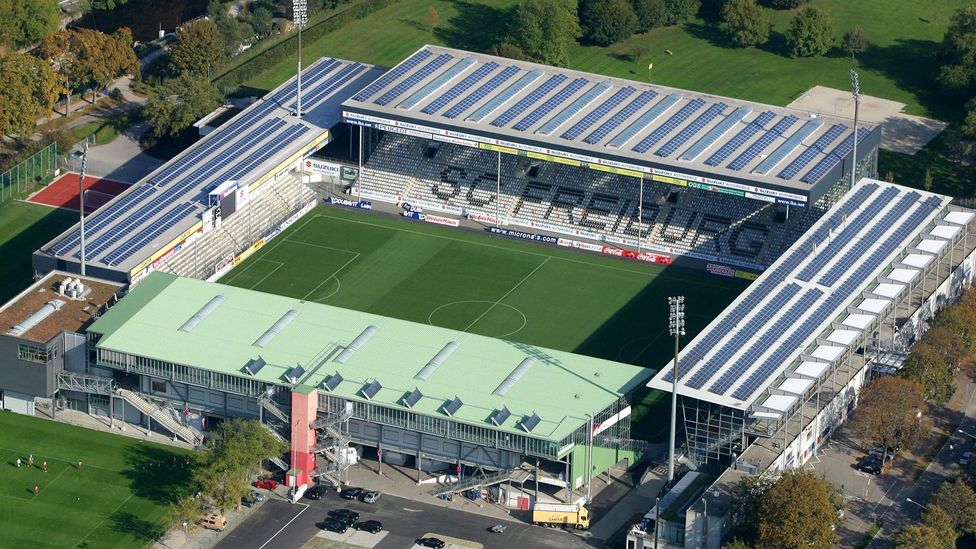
[561, 514]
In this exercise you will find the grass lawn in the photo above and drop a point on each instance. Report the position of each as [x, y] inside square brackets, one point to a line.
[23, 229]
[552, 297]
[117, 499]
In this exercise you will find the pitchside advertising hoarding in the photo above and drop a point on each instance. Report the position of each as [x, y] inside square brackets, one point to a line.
[336, 172]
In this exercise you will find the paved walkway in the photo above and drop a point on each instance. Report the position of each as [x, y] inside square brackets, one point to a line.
[638, 501]
[99, 423]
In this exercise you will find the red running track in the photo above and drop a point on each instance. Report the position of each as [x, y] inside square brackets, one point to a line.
[63, 192]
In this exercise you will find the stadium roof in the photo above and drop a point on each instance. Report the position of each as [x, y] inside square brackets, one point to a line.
[168, 202]
[459, 96]
[858, 255]
[485, 374]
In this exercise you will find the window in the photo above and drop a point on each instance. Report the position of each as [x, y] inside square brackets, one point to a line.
[32, 354]
[158, 386]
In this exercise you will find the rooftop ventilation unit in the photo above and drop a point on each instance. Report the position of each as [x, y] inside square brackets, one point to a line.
[295, 374]
[360, 340]
[516, 374]
[33, 320]
[453, 406]
[500, 416]
[332, 382]
[411, 399]
[254, 366]
[531, 422]
[202, 314]
[436, 361]
[370, 390]
[275, 328]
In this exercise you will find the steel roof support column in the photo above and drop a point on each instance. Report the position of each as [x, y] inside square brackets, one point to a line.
[640, 219]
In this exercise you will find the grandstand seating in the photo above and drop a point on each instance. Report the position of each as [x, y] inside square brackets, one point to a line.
[582, 202]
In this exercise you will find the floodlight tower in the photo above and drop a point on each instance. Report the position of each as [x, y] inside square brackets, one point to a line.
[856, 93]
[676, 326]
[299, 10]
[81, 205]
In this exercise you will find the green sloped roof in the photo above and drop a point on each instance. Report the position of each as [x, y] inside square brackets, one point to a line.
[562, 388]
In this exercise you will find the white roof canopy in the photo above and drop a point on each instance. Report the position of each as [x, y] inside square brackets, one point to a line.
[858, 320]
[812, 369]
[931, 246]
[916, 260]
[902, 275]
[945, 231]
[827, 352]
[873, 305]
[795, 385]
[959, 218]
[844, 337]
[887, 289]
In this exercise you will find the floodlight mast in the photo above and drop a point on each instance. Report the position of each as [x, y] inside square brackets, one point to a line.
[300, 15]
[676, 326]
[81, 206]
[856, 94]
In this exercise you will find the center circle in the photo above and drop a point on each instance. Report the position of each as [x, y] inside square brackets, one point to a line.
[461, 315]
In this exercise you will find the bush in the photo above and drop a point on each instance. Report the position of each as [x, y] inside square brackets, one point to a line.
[116, 94]
[606, 22]
[744, 23]
[681, 11]
[855, 41]
[810, 33]
[650, 14]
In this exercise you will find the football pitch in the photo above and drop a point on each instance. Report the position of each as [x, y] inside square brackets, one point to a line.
[464, 280]
[118, 498]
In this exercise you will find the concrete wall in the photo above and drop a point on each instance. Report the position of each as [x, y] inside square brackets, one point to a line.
[17, 402]
[24, 376]
[304, 410]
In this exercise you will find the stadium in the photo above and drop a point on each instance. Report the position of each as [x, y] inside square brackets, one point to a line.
[502, 305]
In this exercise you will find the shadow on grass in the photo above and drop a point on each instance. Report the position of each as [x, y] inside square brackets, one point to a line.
[911, 64]
[158, 474]
[15, 269]
[144, 531]
[476, 27]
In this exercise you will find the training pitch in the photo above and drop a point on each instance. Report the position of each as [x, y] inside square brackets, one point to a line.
[118, 498]
[553, 297]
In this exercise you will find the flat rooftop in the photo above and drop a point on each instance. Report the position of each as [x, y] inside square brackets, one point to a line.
[73, 315]
[485, 374]
[460, 96]
[121, 235]
[871, 244]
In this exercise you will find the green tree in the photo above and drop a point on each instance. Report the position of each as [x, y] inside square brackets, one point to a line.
[927, 366]
[511, 51]
[545, 29]
[107, 4]
[960, 318]
[650, 14]
[26, 22]
[198, 50]
[855, 42]
[185, 509]
[681, 11]
[234, 455]
[886, 413]
[88, 58]
[606, 22]
[786, 4]
[745, 23]
[958, 501]
[181, 102]
[919, 536]
[261, 20]
[957, 58]
[748, 495]
[810, 33]
[797, 512]
[30, 89]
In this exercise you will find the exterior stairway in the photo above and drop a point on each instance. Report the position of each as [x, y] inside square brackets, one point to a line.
[160, 415]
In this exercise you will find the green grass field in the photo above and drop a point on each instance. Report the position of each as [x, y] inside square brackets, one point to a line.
[558, 298]
[117, 499]
[23, 229]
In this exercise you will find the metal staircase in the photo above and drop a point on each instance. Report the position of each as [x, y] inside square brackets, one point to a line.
[333, 443]
[160, 415]
[270, 406]
[477, 481]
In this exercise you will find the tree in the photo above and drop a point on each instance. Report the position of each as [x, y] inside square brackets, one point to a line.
[186, 509]
[511, 51]
[919, 536]
[810, 33]
[748, 495]
[927, 366]
[261, 20]
[958, 501]
[957, 58]
[26, 22]
[107, 4]
[786, 4]
[855, 42]
[181, 102]
[745, 23]
[30, 88]
[544, 30]
[681, 11]
[88, 58]
[234, 455]
[606, 22]
[650, 14]
[960, 318]
[886, 413]
[198, 50]
[798, 512]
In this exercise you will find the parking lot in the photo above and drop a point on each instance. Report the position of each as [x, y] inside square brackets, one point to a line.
[279, 523]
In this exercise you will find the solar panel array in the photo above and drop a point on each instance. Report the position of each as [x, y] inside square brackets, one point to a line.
[715, 133]
[643, 121]
[574, 108]
[390, 76]
[461, 87]
[530, 99]
[691, 129]
[740, 139]
[329, 86]
[764, 141]
[794, 167]
[436, 84]
[578, 128]
[145, 236]
[535, 116]
[508, 93]
[669, 126]
[835, 157]
[482, 92]
[788, 146]
[413, 79]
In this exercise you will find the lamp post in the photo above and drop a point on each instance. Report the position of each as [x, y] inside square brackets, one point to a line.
[81, 205]
[913, 502]
[657, 518]
[676, 326]
[960, 431]
[299, 10]
[186, 534]
[856, 94]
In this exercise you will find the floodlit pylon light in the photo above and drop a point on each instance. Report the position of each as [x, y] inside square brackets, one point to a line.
[856, 94]
[676, 327]
[81, 207]
[299, 9]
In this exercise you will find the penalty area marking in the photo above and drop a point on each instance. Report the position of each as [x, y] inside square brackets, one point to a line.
[525, 321]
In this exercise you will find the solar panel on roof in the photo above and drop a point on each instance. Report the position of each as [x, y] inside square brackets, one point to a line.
[527, 101]
[752, 128]
[254, 366]
[788, 146]
[482, 92]
[413, 79]
[562, 95]
[459, 88]
[96, 221]
[764, 141]
[790, 171]
[574, 108]
[370, 390]
[436, 84]
[412, 398]
[644, 121]
[530, 423]
[669, 126]
[148, 234]
[835, 157]
[392, 75]
[332, 382]
[327, 87]
[453, 406]
[499, 417]
[295, 374]
[691, 129]
[617, 119]
[715, 133]
[492, 104]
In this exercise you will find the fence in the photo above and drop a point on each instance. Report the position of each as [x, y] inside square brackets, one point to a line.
[35, 168]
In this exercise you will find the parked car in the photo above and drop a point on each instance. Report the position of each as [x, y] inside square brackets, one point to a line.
[214, 521]
[431, 542]
[871, 464]
[266, 483]
[336, 526]
[344, 515]
[315, 492]
[965, 458]
[497, 529]
[371, 496]
[257, 496]
[351, 493]
[371, 526]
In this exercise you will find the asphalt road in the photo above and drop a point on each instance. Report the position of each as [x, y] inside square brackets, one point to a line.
[281, 524]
